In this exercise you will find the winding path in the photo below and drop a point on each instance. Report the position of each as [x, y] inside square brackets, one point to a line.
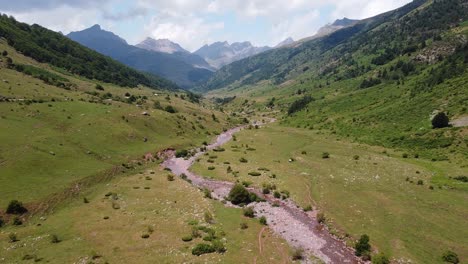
[298, 228]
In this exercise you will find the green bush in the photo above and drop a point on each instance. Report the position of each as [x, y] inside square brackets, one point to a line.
[240, 195]
[2, 222]
[380, 259]
[356, 157]
[325, 155]
[145, 236]
[298, 254]
[321, 218]
[170, 177]
[187, 238]
[182, 153]
[243, 225]
[17, 221]
[248, 212]
[308, 208]
[254, 173]
[263, 220]
[170, 109]
[362, 247]
[203, 248]
[16, 207]
[243, 160]
[277, 194]
[12, 237]
[450, 257]
[54, 239]
[208, 217]
[218, 246]
[440, 120]
[211, 168]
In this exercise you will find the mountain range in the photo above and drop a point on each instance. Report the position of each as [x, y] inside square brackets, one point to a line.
[182, 68]
[220, 54]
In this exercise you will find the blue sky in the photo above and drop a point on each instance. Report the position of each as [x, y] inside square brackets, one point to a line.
[193, 23]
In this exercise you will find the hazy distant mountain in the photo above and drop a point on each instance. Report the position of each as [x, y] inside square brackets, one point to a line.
[171, 66]
[161, 45]
[285, 42]
[338, 24]
[169, 47]
[219, 54]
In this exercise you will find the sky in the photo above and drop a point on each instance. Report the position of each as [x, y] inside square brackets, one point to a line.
[194, 23]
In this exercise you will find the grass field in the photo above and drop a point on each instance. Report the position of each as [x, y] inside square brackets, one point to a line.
[158, 207]
[52, 137]
[373, 193]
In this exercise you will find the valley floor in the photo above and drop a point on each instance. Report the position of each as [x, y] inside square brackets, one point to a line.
[409, 207]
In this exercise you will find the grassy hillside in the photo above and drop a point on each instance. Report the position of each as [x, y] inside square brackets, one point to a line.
[380, 85]
[47, 46]
[110, 228]
[49, 131]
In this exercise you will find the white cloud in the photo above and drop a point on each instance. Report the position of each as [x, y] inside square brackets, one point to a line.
[188, 31]
[64, 18]
[190, 22]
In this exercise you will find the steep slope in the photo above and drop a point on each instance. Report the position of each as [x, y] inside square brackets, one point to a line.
[166, 65]
[379, 81]
[219, 54]
[285, 42]
[54, 122]
[167, 46]
[50, 47]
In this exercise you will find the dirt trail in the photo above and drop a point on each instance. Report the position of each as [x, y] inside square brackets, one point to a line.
[289, 221]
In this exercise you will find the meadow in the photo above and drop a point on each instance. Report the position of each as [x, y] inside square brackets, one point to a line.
[53, 137]
[109, 227]
[410, 207]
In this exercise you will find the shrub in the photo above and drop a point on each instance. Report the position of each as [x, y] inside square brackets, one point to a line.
[299, 104]
[99, 87]
[298, 254]
[325, 155]
[145, 236]
[263, 220]
[2, 222]
[380, 259]
[249, 212]
[321, 218]
[170, 177]
[356, 157]
[218, 246]
[187, 238]
[265, 190]
[207, 193]
[17, 221]
[243, 160]
[254, 173]
[461, 178]
[277, 194]
[450, 257]
[219, 149]
[16, 207]
[12, 237]
[244, 225]
[182, 153]
[239, 194]
[54, 239]
[85, 200]
[211, 168]
[362, 247]
[420, 182]
[170, 109]
[308, 208]
[440, 120]
[203, 248]
[209, 217]
[405, 155]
